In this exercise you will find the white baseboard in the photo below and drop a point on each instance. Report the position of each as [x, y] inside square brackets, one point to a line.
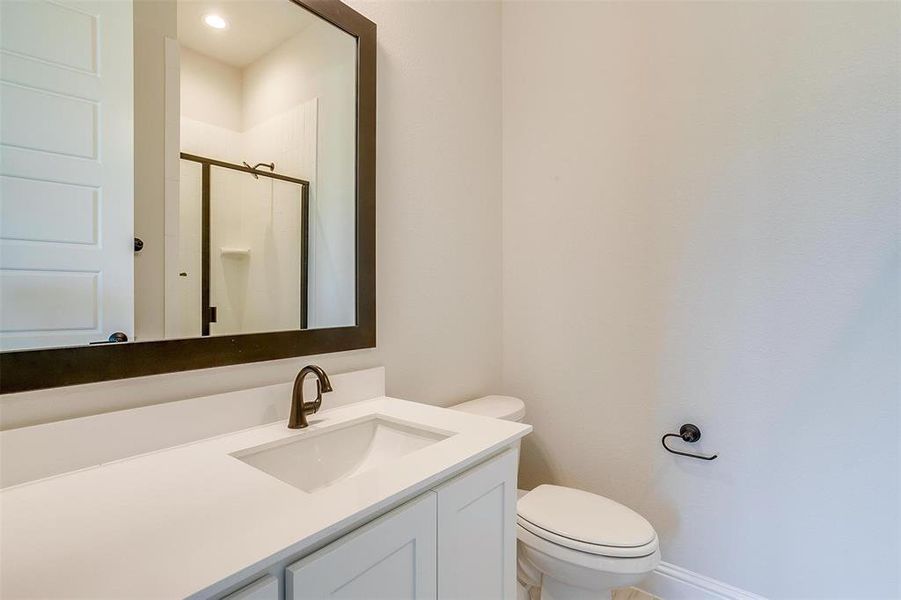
[670, 582]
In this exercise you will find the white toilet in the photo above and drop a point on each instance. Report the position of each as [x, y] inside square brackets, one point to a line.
[573, 545]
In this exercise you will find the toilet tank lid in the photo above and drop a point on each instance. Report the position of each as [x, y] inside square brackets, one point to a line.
[499, 407]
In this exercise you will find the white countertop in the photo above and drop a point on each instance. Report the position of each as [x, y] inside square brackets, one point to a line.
[194, 520]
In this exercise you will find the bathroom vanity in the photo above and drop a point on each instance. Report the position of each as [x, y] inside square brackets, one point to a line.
[380, 498]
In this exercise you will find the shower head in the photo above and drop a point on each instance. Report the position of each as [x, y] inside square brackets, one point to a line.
[270, 166]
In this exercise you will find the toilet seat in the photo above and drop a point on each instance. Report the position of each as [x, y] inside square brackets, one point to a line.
[594, 549]
[567, 558]
[585, 522]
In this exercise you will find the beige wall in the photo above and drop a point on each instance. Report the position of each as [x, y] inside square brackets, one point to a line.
[701, 225]
[438, 227]
[211, 91]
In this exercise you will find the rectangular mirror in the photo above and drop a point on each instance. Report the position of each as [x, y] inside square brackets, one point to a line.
[183, 170]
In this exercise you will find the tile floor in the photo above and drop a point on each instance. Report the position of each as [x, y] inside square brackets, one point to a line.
[632, 594]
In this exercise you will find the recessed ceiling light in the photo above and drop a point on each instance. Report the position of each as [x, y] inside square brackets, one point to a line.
[215, 21]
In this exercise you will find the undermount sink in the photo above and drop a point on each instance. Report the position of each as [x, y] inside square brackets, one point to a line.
[316, 459]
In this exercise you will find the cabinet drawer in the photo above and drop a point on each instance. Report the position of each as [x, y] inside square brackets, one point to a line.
[264, 588]
[393, 557]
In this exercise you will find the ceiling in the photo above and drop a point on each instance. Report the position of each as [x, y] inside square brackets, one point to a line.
[255, 27]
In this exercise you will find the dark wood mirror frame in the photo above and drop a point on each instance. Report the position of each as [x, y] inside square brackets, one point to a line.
[55, 367]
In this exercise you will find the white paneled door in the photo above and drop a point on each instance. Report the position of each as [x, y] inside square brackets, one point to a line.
[66, 172]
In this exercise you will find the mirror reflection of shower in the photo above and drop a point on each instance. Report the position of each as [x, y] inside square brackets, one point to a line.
[253, 248]
[261, 208]
[241, 247]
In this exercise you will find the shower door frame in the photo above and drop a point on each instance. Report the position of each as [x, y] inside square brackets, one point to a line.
[205, 164]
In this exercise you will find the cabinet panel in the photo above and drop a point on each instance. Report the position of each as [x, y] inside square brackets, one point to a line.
[477, 532]
[394, 557]
[264, 588]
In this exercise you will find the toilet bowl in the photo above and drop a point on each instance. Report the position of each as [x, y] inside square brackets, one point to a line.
[572, 544]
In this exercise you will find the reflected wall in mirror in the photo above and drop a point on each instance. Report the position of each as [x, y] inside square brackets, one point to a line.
[174, 169]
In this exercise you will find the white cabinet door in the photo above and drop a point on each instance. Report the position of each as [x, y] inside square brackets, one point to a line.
[66, 172]
[392, 558]
[477, 532]
[264, 588]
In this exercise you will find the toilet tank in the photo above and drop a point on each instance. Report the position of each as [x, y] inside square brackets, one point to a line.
[499, 407]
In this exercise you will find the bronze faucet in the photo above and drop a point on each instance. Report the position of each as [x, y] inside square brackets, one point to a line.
[299, 408]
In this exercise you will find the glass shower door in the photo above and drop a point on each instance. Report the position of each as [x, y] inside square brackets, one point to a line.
[257, 244]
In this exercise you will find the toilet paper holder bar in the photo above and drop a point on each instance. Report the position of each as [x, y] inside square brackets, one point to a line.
[688, 433]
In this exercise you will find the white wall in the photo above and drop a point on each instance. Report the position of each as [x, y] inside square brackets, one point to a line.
[438, 246]
[701, 225]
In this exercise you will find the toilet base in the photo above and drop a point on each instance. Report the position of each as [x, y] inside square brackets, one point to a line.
[562, 574]
[551, 589]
